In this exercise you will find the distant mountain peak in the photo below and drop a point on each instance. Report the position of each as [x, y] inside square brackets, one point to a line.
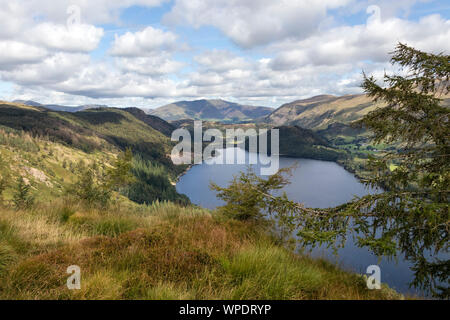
[28, 103]
[57, 107]
[211, 110]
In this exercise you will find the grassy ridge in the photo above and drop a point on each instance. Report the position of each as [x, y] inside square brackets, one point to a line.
[161, 251]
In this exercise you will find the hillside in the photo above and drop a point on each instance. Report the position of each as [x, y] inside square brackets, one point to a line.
[331, 117]
[212, 110]
[304, 143]
[294, 140]
[155, 122]
[56, 143]
[84, 129]
[319, 112]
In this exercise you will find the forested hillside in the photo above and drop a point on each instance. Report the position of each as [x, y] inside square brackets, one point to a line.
[56, 146]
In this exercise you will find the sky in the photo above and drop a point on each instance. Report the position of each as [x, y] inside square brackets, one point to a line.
[148, 53]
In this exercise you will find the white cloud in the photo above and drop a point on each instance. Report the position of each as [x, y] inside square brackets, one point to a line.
[143, 43]
[26, 40]
[75, 74]
[219, 67]
[297, 50]
[12, 19]
[101, 82]
[53, 69]
[92, 12]
[388, 8]
[370, 42]
[251, 23]
[76, 38]
[41, 53]
[157, 65]
[13, 53]
[220, 60]
[206, 79]
[259, 82]
[147, 52]
[28, 22]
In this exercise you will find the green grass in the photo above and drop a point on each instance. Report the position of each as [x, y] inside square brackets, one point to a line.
[271, 272]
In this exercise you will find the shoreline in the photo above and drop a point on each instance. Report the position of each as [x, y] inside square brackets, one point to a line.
[180, 175]
[342, 164]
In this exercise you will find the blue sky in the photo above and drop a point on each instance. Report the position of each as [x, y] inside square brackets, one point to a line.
[147, 53]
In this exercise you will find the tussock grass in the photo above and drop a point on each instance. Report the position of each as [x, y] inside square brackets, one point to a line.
[269, 272]
[101, 285]
[7, 257]
[167, 291]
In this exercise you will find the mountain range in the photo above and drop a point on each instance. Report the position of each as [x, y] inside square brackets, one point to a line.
[213, 110]
[316, 113]
[313, 113]
[57, 107]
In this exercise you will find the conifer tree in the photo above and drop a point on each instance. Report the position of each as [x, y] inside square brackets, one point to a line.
[23, 199]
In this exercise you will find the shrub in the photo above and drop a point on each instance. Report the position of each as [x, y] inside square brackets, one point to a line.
[89, 191]
[22, 198]
[4, 176]
[65, 214]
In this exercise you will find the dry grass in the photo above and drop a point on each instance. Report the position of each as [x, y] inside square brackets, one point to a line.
[39, 230]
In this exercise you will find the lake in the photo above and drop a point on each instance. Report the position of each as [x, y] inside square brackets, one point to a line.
[317, 184]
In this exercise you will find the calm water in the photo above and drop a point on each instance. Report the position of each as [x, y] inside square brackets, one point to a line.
[318, 184]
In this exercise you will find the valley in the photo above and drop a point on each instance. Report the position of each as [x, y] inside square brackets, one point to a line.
[54, 151]
[51, 227]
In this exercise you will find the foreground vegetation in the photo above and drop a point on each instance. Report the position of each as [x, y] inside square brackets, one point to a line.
[162, 251]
